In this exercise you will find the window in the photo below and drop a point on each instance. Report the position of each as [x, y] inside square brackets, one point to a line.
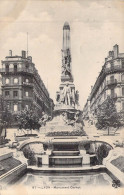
[27, 106]
[27, 65]
[122, 91]
[122, 63]
[7, 68]
[112, 64]
[122, 105]
[7, 81]
[15, 93]
[112, 92]
[8, 106]
[6, 93]
[15, 67]
[15, 80]
[26, 80]
[122, 78]
[111, 78]
[26, 94]
[15, 107]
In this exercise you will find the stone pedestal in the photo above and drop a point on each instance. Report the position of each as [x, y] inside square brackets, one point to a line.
[86, 159]
[82, 152]
[45, 159]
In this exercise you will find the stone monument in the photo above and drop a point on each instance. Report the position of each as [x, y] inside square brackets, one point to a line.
[66, 97]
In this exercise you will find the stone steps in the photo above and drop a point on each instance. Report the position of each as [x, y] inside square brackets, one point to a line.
[65, 153]
[65, 160]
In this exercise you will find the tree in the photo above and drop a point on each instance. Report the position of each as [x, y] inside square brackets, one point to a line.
[28, 119]
[107, 115]
[5, 114]
[102, 152]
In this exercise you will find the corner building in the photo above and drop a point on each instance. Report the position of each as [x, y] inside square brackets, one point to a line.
[110, 82]
[22, 86]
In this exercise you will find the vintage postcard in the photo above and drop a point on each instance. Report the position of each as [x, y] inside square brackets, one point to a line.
[61, 97]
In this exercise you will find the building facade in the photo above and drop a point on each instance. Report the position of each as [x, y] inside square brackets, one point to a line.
[110, 82]
[22, 86]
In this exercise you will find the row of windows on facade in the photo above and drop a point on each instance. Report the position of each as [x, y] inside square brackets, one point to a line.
[15, 66]
[16, 107]
[15, 69]
[15, 80]
[112, 79]
[112, 94]
[15, 93]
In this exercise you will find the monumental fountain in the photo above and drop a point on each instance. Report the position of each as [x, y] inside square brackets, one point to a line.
[63, 146]
[65, 142]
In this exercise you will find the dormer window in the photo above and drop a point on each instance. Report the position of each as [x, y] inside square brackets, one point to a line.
[7, 68]
[27, 65]
[15, 67]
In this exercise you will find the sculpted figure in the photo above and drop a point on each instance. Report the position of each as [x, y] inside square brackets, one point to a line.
[67, 94]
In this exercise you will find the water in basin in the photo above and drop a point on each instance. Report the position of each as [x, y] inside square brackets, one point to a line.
[80, 180]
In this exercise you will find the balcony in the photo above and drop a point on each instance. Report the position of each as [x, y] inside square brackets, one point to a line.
[112, 82]
[27, 84]
[27, 98]
[114, 69]
[12, 70]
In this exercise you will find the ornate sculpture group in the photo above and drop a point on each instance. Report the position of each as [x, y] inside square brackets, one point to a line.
[71, 118]
[66, 61]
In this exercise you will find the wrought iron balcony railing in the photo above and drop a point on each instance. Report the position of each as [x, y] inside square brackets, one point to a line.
[12, 70]
[27, 84]
[114, 68]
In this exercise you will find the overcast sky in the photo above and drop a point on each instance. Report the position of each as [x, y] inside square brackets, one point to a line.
[96, 26]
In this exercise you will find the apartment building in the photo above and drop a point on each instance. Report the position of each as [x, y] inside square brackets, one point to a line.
[110, 82]
[22, 86]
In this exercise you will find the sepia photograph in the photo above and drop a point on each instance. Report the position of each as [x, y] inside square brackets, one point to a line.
[61, 97]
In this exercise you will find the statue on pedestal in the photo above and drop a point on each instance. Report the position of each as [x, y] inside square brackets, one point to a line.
[67, 94]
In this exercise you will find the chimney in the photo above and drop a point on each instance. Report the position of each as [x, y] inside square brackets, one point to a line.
[106, 59]
[116, 50]
[10, 52]
[110, 53]
[23, 54]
